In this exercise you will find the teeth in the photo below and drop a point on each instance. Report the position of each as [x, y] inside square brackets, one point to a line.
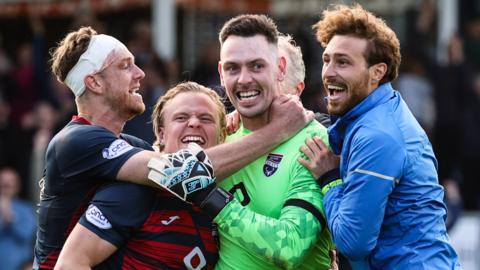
[195, 139]
[248, 94]
[334, 87]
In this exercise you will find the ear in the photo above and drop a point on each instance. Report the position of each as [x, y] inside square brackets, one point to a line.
[377, 72]
[299, 89]
[161, 136]
[282, 66]
[93, 84]
[220, 72]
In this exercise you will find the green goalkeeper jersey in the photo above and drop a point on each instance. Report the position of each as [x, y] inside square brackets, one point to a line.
[274, 222]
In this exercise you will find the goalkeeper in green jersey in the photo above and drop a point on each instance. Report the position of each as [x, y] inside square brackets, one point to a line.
[275, 219]
[285, 227]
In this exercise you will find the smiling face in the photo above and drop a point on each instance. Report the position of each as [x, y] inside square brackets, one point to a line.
[249, 71]
[346, 76]
[121, 81]
[190, 117]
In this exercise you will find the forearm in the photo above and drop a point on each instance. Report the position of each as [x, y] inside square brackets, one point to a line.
[268, 237]
[229, 157]
[135, 170]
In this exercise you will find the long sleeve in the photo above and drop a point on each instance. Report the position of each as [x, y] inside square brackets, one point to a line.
[355, 210]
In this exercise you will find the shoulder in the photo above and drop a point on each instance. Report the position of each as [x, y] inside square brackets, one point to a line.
[125, 195]
[375, 136]
[79, 136]
[137, 142]
[378, 126]
[124, 204]
[314, 128]
[376, 149]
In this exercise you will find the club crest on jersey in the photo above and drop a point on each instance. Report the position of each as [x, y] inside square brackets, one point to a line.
[116, 148]
[271, 164]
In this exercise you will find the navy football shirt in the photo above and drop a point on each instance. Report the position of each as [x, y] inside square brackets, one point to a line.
[79, 159]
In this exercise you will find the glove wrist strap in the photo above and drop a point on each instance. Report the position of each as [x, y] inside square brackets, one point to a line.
[216, 201]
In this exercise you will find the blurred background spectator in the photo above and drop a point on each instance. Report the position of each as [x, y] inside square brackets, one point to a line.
[17, 222]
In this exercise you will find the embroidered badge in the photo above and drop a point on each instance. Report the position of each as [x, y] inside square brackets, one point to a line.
[116, 148]
[271, 164]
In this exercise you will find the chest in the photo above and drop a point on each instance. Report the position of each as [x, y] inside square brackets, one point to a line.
[263, 185]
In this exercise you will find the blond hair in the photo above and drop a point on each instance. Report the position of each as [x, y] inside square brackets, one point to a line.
[295, 72]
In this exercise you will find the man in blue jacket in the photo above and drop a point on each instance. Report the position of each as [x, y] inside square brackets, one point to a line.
[388, 212]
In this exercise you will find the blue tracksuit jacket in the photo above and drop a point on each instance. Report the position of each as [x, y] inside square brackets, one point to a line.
[389, 212]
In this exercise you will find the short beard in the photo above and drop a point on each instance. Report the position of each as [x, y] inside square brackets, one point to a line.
[354, 98]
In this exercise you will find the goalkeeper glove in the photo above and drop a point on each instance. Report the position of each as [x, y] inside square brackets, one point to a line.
[188, 174]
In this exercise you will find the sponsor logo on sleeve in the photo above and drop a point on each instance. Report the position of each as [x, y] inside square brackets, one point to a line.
[116, 149]
[96, 217]
[271, 164]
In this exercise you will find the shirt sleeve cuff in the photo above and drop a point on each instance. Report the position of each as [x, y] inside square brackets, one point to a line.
[331, 185]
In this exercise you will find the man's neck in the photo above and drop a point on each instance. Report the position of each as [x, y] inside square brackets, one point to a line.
[104, 118]
[256, 122]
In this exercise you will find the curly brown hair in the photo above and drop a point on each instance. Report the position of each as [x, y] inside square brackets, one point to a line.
[187, 87]
[69, 50]
[383, 45]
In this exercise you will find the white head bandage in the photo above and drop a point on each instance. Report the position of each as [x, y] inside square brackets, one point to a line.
[91, 61]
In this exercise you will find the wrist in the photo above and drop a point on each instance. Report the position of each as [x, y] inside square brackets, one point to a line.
[275, 131]
[328, 177]
[215, 201]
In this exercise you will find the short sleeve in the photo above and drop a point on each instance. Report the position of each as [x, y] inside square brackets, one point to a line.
[117, 209]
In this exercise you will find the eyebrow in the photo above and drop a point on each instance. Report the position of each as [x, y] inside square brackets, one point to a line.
[189, 113]
[337, 54]
[248, 61]
[127, 58]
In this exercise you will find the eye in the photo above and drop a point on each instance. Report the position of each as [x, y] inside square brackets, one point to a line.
[207, 119]
[342, 62]
[257, 66]
[180, 118]
[126, 65]
[230, 68]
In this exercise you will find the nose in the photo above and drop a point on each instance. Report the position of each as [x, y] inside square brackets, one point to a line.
[139, 74]
[193, 122]
[328, 70]
[245, 76]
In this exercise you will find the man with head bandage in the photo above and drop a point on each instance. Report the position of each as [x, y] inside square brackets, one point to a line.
[92, 61]
[91, 150]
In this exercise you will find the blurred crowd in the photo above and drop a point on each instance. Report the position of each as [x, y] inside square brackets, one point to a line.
[444, 97]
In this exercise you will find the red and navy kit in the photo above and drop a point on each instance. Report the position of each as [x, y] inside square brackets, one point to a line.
[79, 159]
[151, 228]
